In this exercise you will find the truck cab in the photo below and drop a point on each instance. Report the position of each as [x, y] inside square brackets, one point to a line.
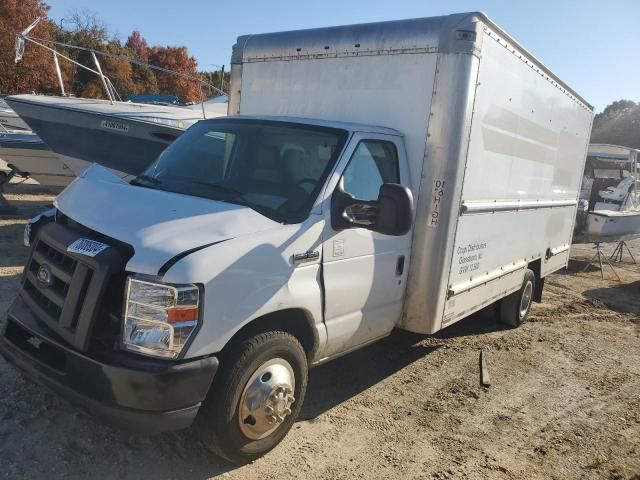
[245, 225]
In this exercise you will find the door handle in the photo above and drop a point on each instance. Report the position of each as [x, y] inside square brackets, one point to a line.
[307, 256]
[400, 265]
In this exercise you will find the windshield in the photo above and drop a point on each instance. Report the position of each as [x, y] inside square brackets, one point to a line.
[276, 168]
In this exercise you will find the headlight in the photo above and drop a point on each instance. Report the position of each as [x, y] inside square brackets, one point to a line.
[159, 318]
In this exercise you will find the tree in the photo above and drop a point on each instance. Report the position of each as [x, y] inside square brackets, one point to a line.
[618, 108]
[618, 124]
[178, 60]
[138, 45]
[214, 78]
[117, 68]
[143, 77]
[84, 29]
[35, 71]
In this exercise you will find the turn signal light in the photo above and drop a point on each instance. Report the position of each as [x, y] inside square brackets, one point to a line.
[177, 315]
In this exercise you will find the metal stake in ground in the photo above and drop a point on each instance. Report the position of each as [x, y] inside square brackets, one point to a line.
[485, 381]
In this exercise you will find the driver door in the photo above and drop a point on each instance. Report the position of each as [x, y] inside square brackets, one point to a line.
[364, 272]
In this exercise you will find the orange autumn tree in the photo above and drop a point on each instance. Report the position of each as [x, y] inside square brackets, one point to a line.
[178, 60]
[143, 77]
[117, 68]
[35, 72]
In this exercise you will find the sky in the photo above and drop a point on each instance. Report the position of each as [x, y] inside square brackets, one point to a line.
[593, 45]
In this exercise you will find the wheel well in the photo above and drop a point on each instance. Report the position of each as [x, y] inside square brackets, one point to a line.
[294, 321]
[536, 267]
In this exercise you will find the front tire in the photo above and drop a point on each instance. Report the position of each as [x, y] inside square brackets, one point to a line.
[513, 309]
[256, 397]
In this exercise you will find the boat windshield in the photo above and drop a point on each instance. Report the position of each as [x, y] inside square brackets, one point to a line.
[609, 182]
[276, 168]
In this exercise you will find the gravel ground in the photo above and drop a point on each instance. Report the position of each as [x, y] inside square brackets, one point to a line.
[564, 401]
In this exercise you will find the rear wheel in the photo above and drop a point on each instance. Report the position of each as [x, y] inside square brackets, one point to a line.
[256, 397]
[513, 309]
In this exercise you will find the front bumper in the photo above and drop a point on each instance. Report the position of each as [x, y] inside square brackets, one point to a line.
[125, 390]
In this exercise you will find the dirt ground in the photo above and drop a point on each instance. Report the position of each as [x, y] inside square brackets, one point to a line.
[564, 401]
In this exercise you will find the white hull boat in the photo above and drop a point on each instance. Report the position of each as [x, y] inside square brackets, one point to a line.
[612, 226]
[28, 154]
[9, 120]
[610, 197]
[124, 137]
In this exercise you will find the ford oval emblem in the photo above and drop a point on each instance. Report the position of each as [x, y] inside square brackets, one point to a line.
[44, 276]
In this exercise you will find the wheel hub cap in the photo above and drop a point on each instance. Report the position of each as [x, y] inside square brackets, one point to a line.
[267, 398]
[526, 299]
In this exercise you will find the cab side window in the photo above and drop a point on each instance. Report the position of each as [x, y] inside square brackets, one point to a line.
[373, 163]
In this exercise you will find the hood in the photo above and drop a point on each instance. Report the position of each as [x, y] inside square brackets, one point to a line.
[158, 225]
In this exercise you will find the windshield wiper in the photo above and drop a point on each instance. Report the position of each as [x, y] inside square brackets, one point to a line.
[145, 180]
[235, 194]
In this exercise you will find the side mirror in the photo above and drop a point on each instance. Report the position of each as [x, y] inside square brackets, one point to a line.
[395, 210]
[390, 214]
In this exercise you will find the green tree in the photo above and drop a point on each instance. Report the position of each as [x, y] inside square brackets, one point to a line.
[214, 78]
[618, 124]
[84, 29]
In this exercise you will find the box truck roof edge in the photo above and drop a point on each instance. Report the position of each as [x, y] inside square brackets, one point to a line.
[365, 38]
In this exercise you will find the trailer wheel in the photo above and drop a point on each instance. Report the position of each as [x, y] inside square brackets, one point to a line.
[514, 309]
[256, 397]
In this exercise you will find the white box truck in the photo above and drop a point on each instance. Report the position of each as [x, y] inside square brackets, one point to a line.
[396, 174]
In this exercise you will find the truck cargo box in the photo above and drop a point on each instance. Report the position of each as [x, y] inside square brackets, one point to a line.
[496, 142]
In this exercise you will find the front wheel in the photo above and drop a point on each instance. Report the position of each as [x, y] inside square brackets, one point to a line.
[256, 397]
[513, 309]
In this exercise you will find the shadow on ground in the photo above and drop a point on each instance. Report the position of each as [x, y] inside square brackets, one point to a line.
[346, 377]
[479, 323]
[620, 297]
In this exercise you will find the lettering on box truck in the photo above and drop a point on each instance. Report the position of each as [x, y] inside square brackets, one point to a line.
[438, 193]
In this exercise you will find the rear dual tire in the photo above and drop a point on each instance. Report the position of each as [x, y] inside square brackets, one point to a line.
[513, 309]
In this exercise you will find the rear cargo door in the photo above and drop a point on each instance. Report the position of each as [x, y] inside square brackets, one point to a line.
[364, 272]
